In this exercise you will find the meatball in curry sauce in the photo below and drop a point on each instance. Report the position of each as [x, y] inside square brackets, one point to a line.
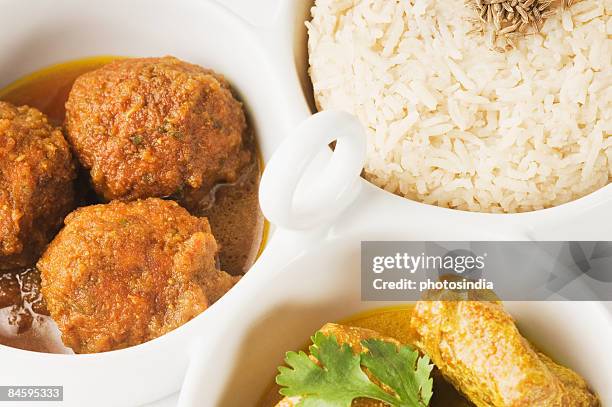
[36, 184]
[156, 127]
[121, 274]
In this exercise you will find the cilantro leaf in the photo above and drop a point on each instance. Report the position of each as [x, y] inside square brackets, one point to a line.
[338, 378]
[407, 374]
[336, 383]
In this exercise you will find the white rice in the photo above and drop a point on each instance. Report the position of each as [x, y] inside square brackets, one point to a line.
[451, 122]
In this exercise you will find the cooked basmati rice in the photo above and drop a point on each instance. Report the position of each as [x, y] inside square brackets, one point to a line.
[453, 123]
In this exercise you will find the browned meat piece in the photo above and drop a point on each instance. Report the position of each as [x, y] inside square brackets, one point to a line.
[353, 335]
[36, 184]
[124, 273]
[156, 127]
[478, 348]
[574, 385]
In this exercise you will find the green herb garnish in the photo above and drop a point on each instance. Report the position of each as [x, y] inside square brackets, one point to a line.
[339, 379]
[166, 128]
[401, 369]
[177, 134]
[136, 139]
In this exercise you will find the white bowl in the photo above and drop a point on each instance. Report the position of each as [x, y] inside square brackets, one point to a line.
[582, 219]
[280, 311]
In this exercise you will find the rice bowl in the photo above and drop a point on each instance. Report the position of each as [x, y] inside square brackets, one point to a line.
[454, 123]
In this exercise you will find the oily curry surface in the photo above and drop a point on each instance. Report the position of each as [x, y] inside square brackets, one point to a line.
[393, 322]
[232, 210]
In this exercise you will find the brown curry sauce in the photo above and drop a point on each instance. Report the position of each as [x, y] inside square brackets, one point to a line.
[232, 210]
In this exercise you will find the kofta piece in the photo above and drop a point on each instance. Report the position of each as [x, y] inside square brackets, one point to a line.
[121, 274]
[36, 184]
[156, 127]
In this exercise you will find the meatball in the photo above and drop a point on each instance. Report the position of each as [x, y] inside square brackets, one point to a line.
[156, 127]
[36, 184]
[122, 273]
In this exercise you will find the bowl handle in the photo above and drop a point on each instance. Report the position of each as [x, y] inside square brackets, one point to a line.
[307, 185]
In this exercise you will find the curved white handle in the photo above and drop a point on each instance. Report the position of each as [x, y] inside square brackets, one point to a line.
[305, 185]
